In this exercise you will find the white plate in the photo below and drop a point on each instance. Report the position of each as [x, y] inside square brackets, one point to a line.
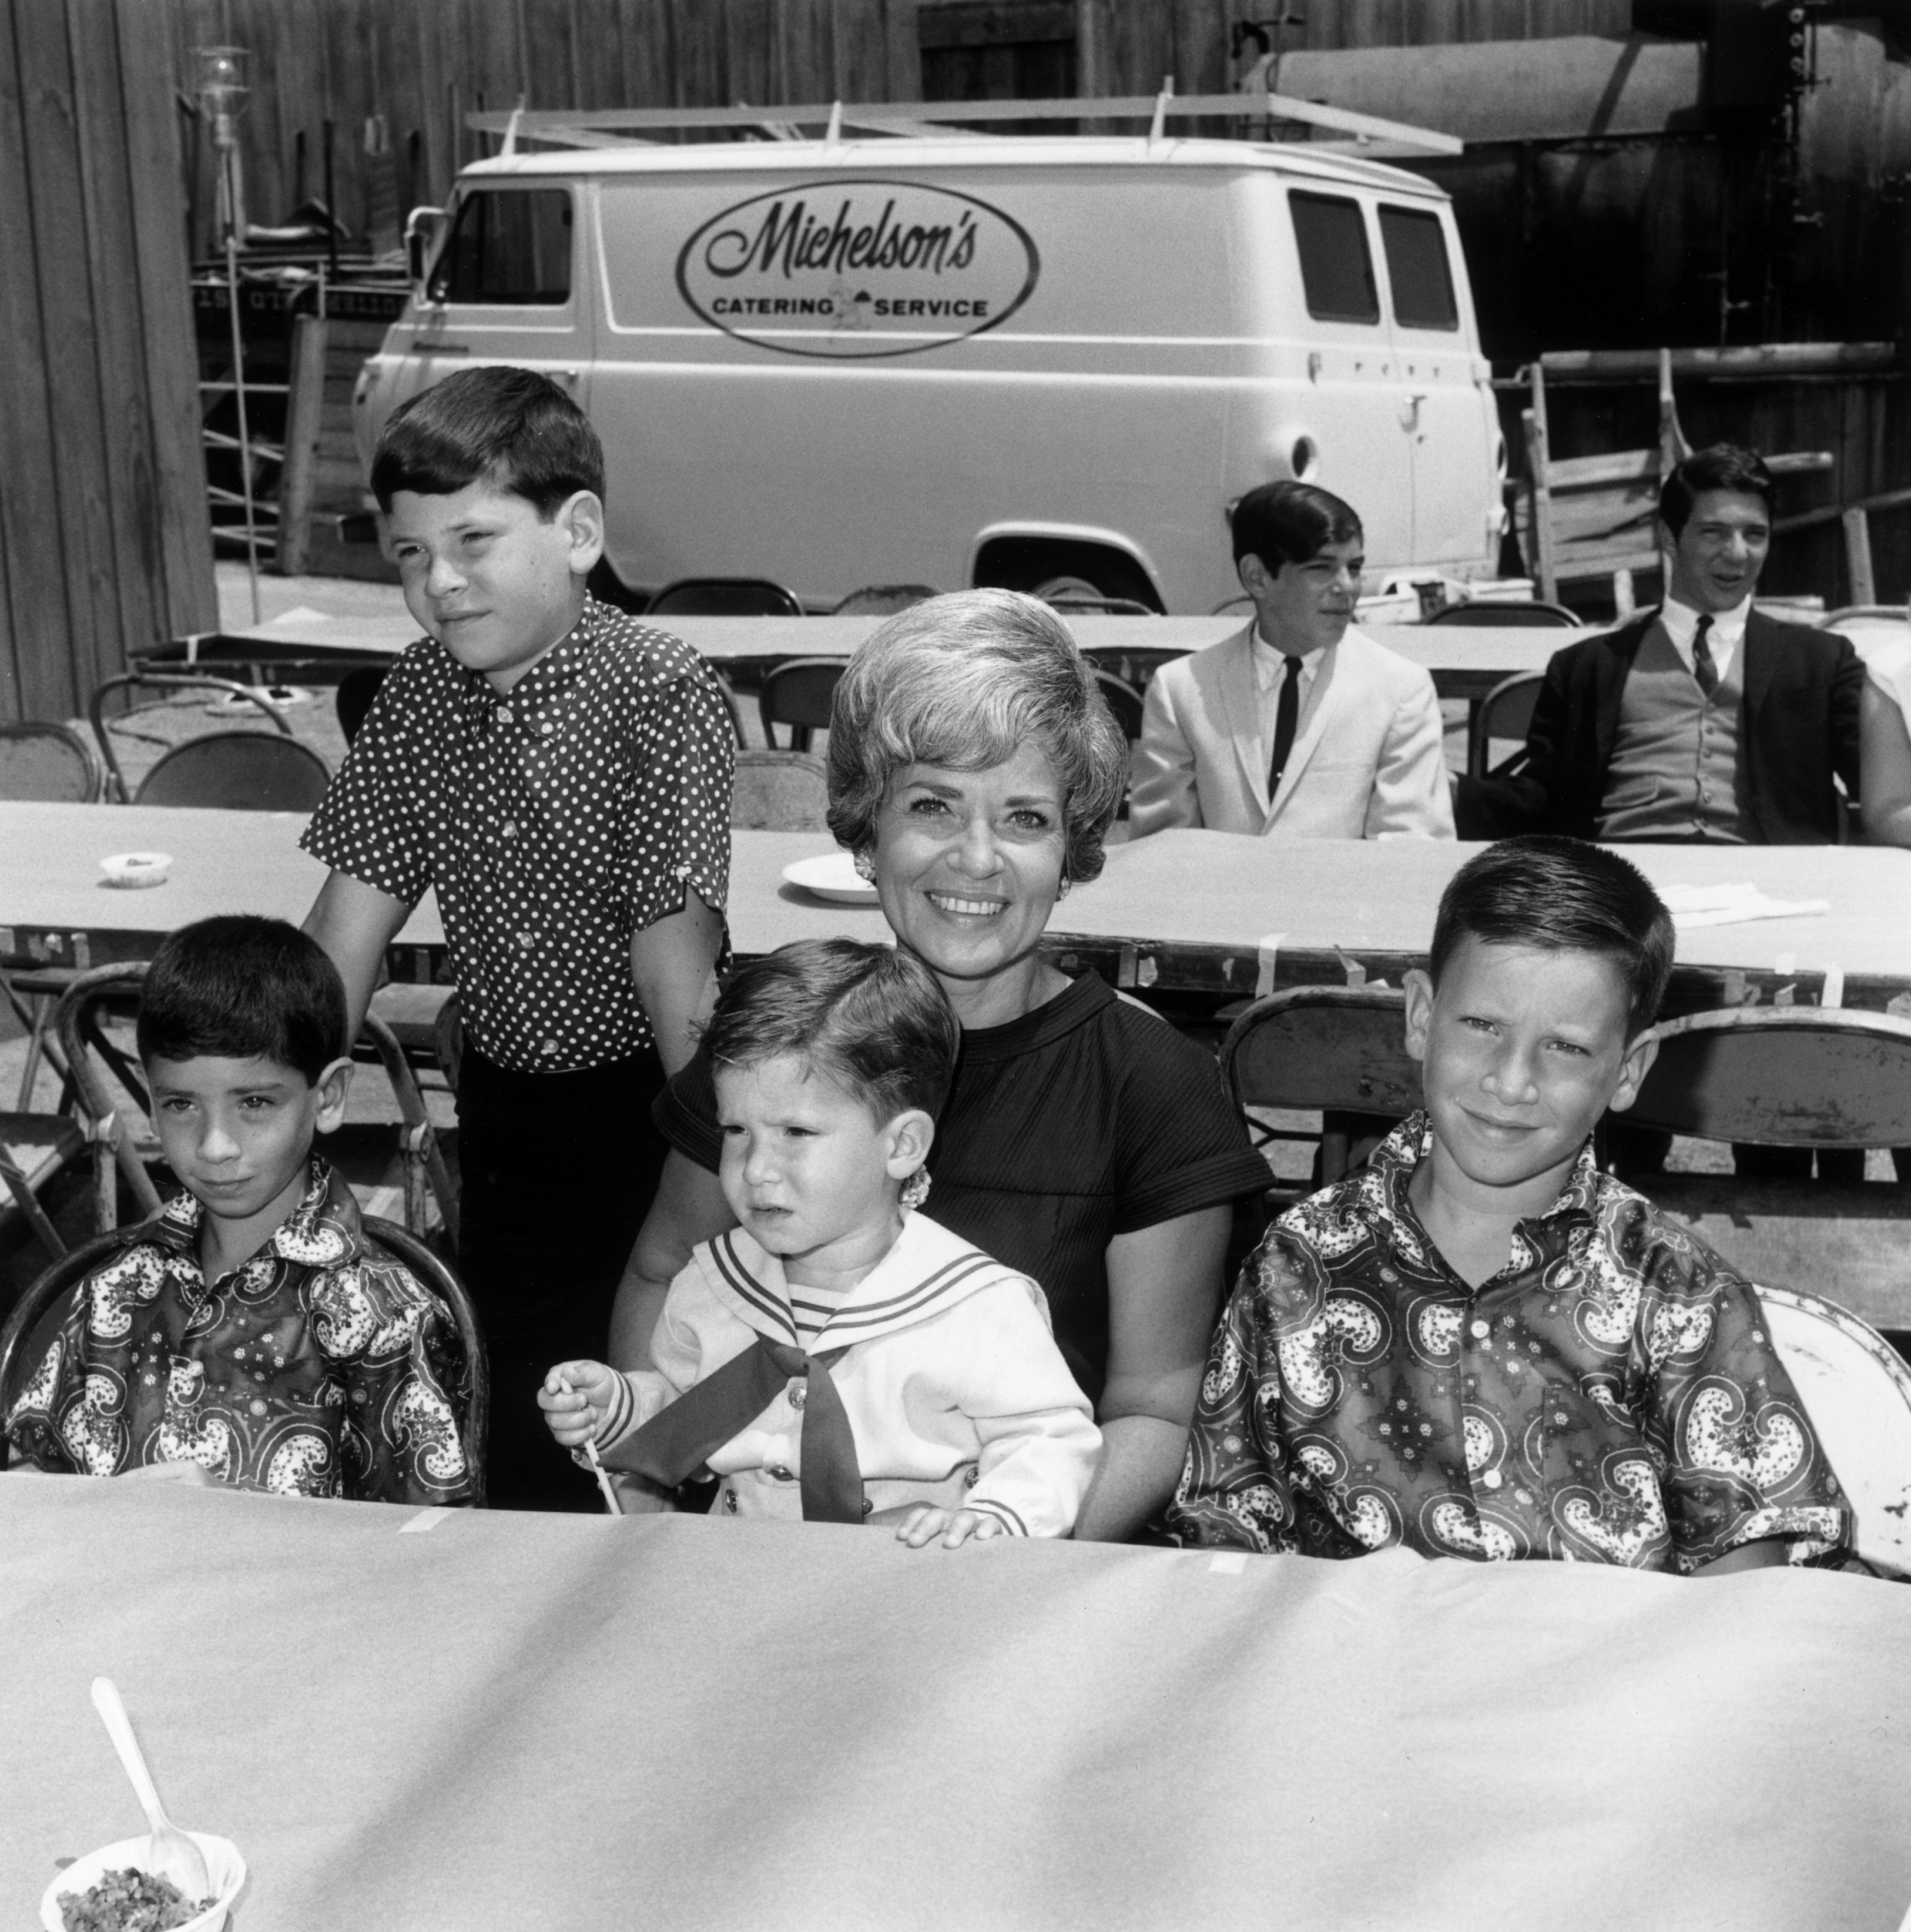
[224, 1868]
[833, 876]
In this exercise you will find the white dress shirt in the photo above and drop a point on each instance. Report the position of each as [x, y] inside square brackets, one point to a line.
[1270, 673]
[1682, 623]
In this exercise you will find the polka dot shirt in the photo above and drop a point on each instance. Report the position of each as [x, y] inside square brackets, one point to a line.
[555, 821]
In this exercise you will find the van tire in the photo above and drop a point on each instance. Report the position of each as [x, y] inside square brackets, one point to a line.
[1045, 567]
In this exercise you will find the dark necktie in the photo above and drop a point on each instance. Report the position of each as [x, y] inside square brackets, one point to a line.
[1285, 720]
[677, 1442]
[1703, 669]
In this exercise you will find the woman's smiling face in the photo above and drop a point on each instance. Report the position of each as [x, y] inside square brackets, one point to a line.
[968, 864]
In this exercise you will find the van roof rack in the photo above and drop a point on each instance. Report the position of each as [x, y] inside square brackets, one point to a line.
[1367, 134]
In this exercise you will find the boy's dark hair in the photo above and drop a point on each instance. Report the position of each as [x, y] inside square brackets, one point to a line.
[872, 1019]
[516, 429]
[1291, 523]
[239, 986]
[1723, 466]
[1561, 895]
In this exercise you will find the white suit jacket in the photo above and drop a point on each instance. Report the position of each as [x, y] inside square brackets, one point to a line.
[1368, 764]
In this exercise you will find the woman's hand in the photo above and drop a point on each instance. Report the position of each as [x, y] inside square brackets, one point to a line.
[921, 1524]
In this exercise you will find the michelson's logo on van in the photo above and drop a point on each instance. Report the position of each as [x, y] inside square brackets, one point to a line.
[858, 268]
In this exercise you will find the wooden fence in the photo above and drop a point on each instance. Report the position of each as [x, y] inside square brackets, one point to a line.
[103, 537]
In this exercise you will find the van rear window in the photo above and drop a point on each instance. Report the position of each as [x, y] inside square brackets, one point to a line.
[1337, 271]
[510, 246]
[1416, 267]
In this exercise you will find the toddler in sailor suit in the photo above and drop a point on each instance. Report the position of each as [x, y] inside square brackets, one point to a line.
[838, 1357]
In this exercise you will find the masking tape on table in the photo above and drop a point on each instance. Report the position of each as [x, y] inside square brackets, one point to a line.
[1267, 952]
[425, 1520]
[1832, 994]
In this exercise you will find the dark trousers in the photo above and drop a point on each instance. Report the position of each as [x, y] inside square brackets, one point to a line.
[557, 1173]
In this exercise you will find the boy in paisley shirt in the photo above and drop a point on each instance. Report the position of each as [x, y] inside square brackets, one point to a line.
[251, 1329]
[1479, 1346]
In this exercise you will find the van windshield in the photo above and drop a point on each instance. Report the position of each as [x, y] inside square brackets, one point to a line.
[1337, 270]
[1416, 267]
[510, 246]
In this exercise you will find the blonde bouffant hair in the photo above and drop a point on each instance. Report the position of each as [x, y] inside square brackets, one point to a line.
[966, 681]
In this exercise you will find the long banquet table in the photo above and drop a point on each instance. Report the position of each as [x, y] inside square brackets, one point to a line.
[1466, 662]
[1196, 912]
[466, 1720]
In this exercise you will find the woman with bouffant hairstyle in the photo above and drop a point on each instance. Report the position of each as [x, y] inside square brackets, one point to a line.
[974, 771]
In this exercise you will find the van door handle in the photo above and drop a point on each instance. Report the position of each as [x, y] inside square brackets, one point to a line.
[568, 377]
[1410, 419]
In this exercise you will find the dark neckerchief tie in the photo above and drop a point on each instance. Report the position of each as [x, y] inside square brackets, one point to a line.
[1285, 718]
[1703, 668]
[680, 1439]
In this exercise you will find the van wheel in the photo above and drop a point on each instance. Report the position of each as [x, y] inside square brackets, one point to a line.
[1045, 568]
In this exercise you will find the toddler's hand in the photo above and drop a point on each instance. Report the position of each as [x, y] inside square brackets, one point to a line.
[924, 1524]
[576, 1398]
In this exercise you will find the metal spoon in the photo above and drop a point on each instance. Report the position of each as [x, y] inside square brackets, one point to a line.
[170, 1854]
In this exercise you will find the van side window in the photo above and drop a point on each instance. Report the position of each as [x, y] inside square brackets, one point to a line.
[1337, 271]
[508, 247]
[1416, 267]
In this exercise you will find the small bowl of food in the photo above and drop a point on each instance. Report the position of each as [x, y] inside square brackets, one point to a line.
[137, 869]
[110, 1891]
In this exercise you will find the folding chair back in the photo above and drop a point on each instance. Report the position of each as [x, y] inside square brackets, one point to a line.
[357, 689]
[47, 764]
[171, 681]
[238, 771]
[798, 694]
[1857, 1391]
[1340, 1049]
[1782, 1076]
[1495, 616]
[724, 597]
[1506, 712]
[779, 791]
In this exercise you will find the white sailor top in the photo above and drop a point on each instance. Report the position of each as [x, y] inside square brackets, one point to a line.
[955, 1391]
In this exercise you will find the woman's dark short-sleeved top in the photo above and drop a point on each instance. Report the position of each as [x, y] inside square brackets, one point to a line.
[1087, 1118]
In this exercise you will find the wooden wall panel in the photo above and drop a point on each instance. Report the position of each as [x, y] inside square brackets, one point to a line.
[103, 540]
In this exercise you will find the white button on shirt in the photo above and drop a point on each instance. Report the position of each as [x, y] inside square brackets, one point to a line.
[1682, 623]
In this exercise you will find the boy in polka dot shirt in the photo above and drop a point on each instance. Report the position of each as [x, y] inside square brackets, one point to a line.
[561, 775]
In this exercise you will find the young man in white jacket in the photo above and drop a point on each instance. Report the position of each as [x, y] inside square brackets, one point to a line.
[1297, 727]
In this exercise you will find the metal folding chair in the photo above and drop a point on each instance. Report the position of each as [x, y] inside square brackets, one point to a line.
[50, 763]
[23, 1335]
[1506, 712]
[798, 694]
[724, 597]
[1123, 700]
[172, 681]
[779, 791]
[1487, 615]
[1340, 1049]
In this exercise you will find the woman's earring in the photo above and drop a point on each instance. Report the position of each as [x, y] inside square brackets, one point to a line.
[915, 1190]
[1062, 889]
[865, 867]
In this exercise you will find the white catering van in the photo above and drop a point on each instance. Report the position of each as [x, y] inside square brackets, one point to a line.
[953, 361]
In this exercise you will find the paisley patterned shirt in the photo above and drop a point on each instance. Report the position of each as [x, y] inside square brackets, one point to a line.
[1611, 1395]
[322, 1367]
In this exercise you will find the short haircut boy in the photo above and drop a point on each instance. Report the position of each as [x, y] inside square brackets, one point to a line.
[1561, 895]
[512, 428]
[1723, 466]
[240, 987]
[870, 1018]
[1291, 523]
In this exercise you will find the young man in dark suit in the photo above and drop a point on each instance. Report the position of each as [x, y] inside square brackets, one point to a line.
[1703, 720]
